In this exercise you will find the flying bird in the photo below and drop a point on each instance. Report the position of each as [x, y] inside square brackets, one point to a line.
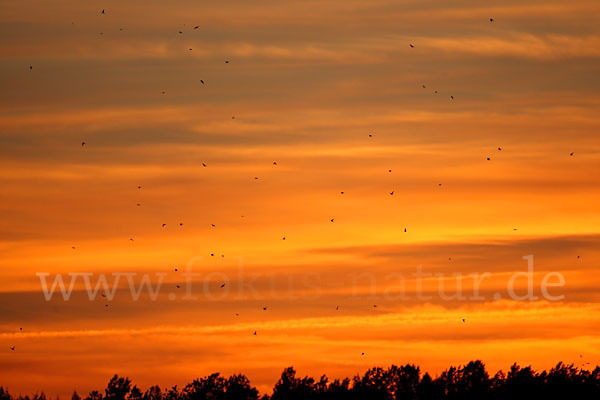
[139, 187]
[102, 11]
[13, 348]
[226, 61]
[571, 153]
[196, 27]
[254, 333]
[30, 67]
[341, 192]
[404, 229]
[82, 144]
[274, 162]
[223, 285]
[499, 148]
[181, 224]
[411, 45]
[337, 308]
[331, 219]
[488, 158]
[176, 270]
[131, 239]
[163, 225]
[491, 19]
[73, 247]
[452, 97]
[264, 308]
[463, 320]
[201, 81]
[203, 164]
[392, 193]
[138, 204]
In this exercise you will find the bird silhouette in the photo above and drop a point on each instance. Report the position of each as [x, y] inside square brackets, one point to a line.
[463, 320]
[499, 148]
[201, 81]
[411, 45]
[13, 348]
[73, 247]
[392, 193]
[571, 153]
[491, 19]
[102, 11]
[254, 333]
[196, 27]
[163, 225]
[31, 67]
[452, 97]
[226, 61]
[139, 187]
[264, 308]
[82, 144]
[332, 219]
[223, 285]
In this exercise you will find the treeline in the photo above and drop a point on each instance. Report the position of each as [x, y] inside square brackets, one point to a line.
[471, 381]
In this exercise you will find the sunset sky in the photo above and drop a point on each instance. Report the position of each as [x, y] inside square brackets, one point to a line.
[334, 94]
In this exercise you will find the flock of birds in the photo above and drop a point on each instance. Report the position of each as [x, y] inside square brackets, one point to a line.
[332, 220]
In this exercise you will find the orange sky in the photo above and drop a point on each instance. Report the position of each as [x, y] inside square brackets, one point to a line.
[307, 82]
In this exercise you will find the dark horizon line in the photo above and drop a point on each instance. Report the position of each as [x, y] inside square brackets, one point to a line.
[470, 381]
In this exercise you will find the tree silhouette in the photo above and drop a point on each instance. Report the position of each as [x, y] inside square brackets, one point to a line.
[470, 382]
